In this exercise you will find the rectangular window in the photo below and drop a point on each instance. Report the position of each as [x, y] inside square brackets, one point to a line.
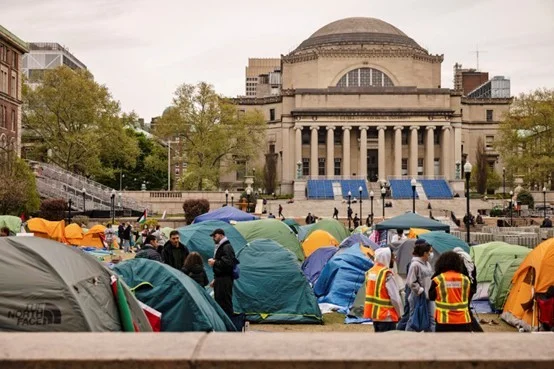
[272, 148]
[305, 136]
[14, 60]
[272, 114]
[321, 166]
[404, 166]
[489, 142]
[437, 168]
[489, 116]
[338, 162]
[305, 166]
[13, 91]
[404, 137]
[337, 138]
[14, 124]
[241, 170]
[419, 166]
[1, 116]
[322, 136]
[420, 137]
[437, 138]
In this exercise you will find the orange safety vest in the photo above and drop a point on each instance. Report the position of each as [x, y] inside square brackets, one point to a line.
[378, 305]
[452, 298]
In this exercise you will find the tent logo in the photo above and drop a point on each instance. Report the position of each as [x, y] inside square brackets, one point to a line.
[37, 314]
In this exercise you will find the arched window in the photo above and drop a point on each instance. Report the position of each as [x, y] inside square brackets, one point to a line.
[365, 77]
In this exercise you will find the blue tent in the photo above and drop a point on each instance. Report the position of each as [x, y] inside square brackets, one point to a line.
[358, 238]
[314, 264]
[342, 277]
[225, 214]
[197, 238]
[442, 241]
[185, 306]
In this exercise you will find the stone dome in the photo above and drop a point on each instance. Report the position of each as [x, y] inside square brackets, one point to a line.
[358, 31]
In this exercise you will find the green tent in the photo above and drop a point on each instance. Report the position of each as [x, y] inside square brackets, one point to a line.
[13, 223]
[487, 255]
[333, 226]
[272, 287]
[185, 306]
[502, 282]
[272, 229]
[166, 231]
[442, 241]
[411, 220]
[196, 237]
[292, 224]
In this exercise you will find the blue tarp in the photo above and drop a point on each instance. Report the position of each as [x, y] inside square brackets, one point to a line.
[314, 264]
[358, 238]
[342, 277]
[225, 214]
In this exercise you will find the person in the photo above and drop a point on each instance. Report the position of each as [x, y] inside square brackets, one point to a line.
[174, 252]
[223, 263]
[194, 268]
[546, 223]
[349, 213]
[127, 238]
[470, 271]
[356, 221]
[280, 214]
[382, 301]
[335, 213]
[399, 236]
[419, 280]
[479, 219]
[450, 291]
[109, 234]
[120, 231]
[271, 216]
[369, 220]
[4, 232]
[310, 219]
[148, 250]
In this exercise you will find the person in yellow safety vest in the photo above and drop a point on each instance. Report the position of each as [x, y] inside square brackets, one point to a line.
[382, 299]
[450, 291]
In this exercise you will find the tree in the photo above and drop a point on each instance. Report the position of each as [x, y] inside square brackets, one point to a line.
[213, 132]
[481, 167]
[270, 172]
[77, 121]
[18, 191]
[194, 208]
[53, 209]
[526, 137]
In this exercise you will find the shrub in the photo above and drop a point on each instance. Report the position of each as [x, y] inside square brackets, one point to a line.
[80, 219]
[53, 209]
[524, 197]
[150, 222]
[194, 208]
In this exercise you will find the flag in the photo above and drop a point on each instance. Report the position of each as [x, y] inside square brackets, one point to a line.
[153, 315]
[143, 217]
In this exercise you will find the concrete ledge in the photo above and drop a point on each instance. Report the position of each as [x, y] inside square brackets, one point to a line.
[275, 350]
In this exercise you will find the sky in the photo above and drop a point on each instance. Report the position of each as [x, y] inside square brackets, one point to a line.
[142, 50]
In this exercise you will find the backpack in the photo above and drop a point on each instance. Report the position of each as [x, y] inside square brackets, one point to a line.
[236, 271]
[420, 319]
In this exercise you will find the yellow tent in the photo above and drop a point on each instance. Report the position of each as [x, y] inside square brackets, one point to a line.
[95, 237]
[317, 239]
[47, 229]
[535, 274]
[74, 234]
[414, 232]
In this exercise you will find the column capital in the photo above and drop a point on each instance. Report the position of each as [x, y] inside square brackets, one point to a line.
[446, 128]
[330, 128]
[398, 127]
[314, 127]
[364, 128]
[456, 125]
[414, 127]
[299, 127]
[430, 127]
[347, 127]
[384, 128]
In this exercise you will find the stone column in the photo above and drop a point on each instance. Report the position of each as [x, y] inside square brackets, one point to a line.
[330, 151]
[346, 151]
[381, 151]
[313, 152]
[430, 151]
[413, 151]
[363, 151]
[298, 144]
[446, 148]
[457, 142]
[398, 150]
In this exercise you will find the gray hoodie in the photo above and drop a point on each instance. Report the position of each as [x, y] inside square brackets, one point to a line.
[419, 276]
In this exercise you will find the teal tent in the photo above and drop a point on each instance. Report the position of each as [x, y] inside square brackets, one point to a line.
[272, 229]
[303, 231]
[293, 225]
[196, 237]
[185, 306]
[411, 220]
[443, 242]
[333, 226]
[272, 287]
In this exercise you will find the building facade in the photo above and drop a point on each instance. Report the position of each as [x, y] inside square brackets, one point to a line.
[47, 55]
[255, 71]
[361, 99]
[11, 50]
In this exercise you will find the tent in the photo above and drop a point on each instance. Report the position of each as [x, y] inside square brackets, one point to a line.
[95, 237]
[272, 229]
[292, 224]
[13, 223]
[501, 282]
[225, 214]
[272, 287]
[333, 226]
[443, 242]
[535, 274]
[303, 231]
[360, 239]
[46, 229]
[313, 265]
[342, 277]
[316, 240]
[196, 237]
[486, 256]
[414, 232]
[49, 287]
[74, 234]
[185, 306]
[411, 220]
[365, 230]
[166, 231]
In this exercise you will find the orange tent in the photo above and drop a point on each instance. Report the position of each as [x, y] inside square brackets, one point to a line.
[95, 237]
[47, 229]
[535, 275]
[317, 239]
[74, 234]
[414, 232]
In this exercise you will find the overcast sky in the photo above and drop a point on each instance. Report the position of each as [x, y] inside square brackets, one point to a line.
[143, 49]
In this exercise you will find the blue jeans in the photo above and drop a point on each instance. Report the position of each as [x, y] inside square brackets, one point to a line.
[431, 315]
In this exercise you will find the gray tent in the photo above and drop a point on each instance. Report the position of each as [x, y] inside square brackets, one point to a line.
[49, 287]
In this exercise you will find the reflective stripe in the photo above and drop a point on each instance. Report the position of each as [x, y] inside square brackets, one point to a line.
[448, 306]
[378, 301]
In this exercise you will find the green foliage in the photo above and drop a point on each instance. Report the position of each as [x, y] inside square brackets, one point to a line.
[194, 208]
[212, 130]
[496, 212]
[151, 223]
[18, 190]
[53, 209]
[190, 180]
[524, 197]
[481, 167]
[270, 172]
[494, 180]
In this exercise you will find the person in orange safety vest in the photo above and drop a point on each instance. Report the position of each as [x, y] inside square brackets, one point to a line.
[450, 291]
[382, 301]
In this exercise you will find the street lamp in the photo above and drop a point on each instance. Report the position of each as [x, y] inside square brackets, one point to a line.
[254, 177]
[226, 197]
[248, 192]
[413, 183]
[371, 195]
[511, 208]
[544, 200]
[84, 190]
[360, 189]
[113, 206]
[348, 213]
[503, 184]
[70, 203]
[383, 195]
[467, 171]
[232, 199]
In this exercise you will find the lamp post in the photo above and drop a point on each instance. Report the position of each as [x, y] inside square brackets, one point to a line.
[511, 208]
[254, 177]
[371, 195]
[248, 192]
[348, 213]
[113, 206]
[70, 203]
[226, 197]
[413, 183]
[544, 200]
[360, 189]
[503, 184]
[232, 199]
[467, 171]
[121, 176]
[383, 195]
[84, 200]
[119, 202]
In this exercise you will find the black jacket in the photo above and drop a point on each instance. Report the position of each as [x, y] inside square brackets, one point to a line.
[148, 252]
[225, 260]
[197, 273]
[167, 255]
[127, 233]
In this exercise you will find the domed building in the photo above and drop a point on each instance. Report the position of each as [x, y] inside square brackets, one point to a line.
[360, 99]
